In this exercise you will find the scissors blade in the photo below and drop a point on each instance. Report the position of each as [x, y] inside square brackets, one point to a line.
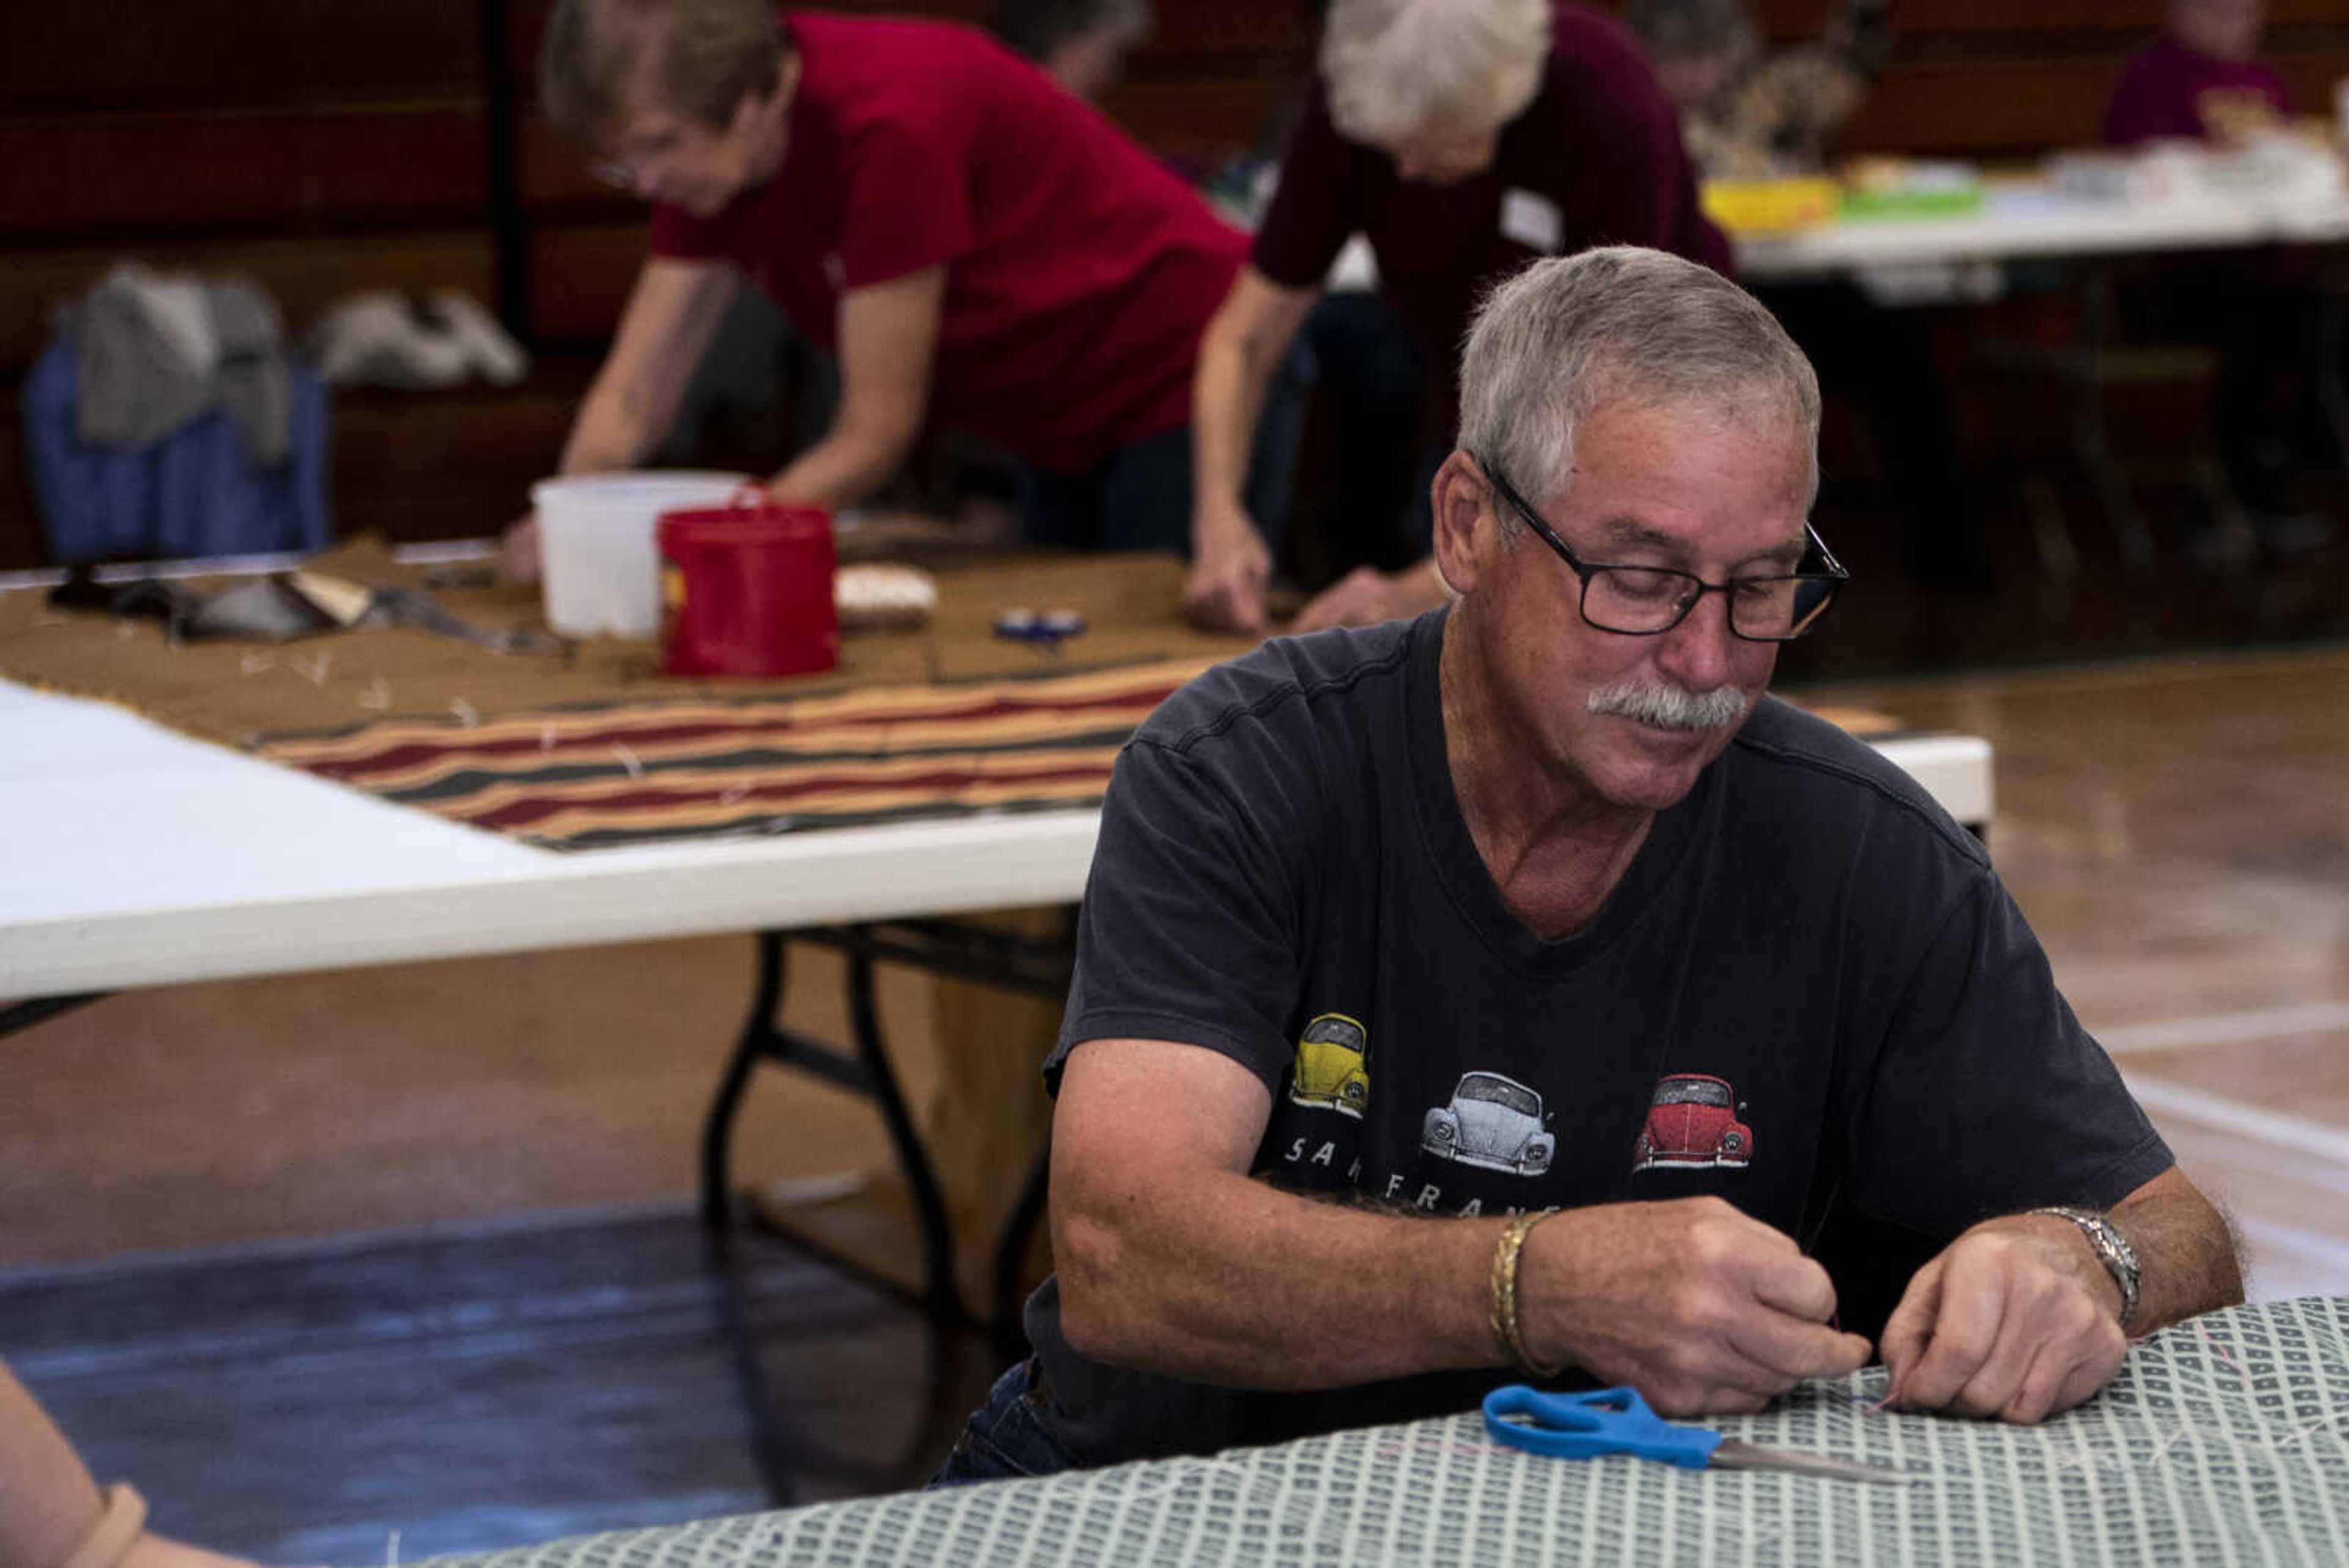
[1734, 1454]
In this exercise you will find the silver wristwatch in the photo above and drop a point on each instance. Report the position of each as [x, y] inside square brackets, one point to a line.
[2112, 1250]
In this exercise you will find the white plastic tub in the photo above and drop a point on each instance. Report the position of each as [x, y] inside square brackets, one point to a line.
[598, 564]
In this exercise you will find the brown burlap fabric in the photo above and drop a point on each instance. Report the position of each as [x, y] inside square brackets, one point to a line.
[593, 746]
[238, 692]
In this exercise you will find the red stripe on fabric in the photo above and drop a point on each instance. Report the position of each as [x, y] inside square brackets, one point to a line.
[416, 754]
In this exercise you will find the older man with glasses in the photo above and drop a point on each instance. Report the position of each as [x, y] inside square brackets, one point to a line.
[1520, 991]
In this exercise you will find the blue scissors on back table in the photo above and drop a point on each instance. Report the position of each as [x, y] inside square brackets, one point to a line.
[1618, 1421]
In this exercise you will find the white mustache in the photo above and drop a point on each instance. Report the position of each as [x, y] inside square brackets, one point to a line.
[1669, 707]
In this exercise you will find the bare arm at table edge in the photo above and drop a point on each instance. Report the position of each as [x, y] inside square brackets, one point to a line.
[2018, 1319]
[888, 342]
[1239, 352]
[672, 313]
[1172, 1260]
[49, 1505]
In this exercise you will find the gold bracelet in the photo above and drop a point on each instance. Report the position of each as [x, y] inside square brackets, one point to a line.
[1505, 1333]
[117, 1528]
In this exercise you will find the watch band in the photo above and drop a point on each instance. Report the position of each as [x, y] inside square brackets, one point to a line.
[2112, 1250]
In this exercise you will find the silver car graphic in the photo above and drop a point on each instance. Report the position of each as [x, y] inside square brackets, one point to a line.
[1492, 1122]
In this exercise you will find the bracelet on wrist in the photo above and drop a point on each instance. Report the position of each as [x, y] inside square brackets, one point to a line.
[1507, 1332]
[116, 1530]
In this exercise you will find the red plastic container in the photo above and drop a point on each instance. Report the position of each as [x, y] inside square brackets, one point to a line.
[746, 589]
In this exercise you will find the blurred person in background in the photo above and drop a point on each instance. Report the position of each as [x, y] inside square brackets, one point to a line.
[2202, 81]
[975, 246]
[2265, 314]
[1354, 355]
[1747, 115]
[1462, 140]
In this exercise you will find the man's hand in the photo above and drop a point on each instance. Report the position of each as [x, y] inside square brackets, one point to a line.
[1230, 569]
[2015, 1319]
[1700, 1307]
[1365, 597]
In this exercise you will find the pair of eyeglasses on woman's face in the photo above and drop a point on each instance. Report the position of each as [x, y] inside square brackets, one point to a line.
[626, 166]
[1647, 601]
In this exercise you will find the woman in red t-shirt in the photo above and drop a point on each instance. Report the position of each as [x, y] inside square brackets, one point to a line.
[975, 245]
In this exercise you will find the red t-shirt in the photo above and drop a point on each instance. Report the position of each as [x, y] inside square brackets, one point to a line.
[2168, 86]
[1596, 159]
[1080, 273]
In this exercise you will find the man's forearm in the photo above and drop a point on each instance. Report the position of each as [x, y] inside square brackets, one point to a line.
[1233, 1282]
[2187, 1257]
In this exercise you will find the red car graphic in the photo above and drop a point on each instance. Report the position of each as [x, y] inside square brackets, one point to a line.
[1693, 1121]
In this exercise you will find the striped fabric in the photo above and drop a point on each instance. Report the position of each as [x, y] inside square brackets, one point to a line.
[585, 777]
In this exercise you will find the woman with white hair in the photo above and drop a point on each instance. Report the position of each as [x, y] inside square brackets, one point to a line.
[1463, 137]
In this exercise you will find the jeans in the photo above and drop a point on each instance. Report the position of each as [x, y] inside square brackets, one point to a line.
[1008, 1436]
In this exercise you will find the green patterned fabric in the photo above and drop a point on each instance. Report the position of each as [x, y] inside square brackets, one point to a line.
[2226, 1441]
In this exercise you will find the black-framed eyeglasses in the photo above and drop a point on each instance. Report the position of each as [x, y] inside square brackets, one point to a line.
[1648, 601]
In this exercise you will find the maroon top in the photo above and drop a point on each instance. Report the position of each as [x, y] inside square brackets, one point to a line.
[2164, 88]
[1595, 158]
[1079, 271]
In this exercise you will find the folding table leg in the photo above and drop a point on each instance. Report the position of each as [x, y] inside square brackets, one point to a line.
[867, 1073]
[937, 1242]
[755, 1040]
[22, 1015]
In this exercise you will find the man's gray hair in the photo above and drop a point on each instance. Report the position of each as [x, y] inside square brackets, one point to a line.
[1402, 70]
[1625, 325]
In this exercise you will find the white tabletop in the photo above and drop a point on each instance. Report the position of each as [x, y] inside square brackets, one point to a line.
[132, 856]
[2034, 219]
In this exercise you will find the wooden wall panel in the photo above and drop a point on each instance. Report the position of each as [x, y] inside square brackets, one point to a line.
[2016, 109]
[550, 172]
[99, 55]
[363, 166]
[21, 543]
[526, 24]
[579, 278]
[450, 464]
[1938, 109]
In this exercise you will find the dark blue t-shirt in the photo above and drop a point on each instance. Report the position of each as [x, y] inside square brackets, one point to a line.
[1809, 989]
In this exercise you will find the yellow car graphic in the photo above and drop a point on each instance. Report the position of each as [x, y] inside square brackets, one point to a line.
[1330, 1070]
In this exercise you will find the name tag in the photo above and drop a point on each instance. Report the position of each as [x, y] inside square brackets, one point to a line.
[1532, 221]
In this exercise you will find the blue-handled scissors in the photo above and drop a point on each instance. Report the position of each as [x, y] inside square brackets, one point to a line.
[1618, 1421]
